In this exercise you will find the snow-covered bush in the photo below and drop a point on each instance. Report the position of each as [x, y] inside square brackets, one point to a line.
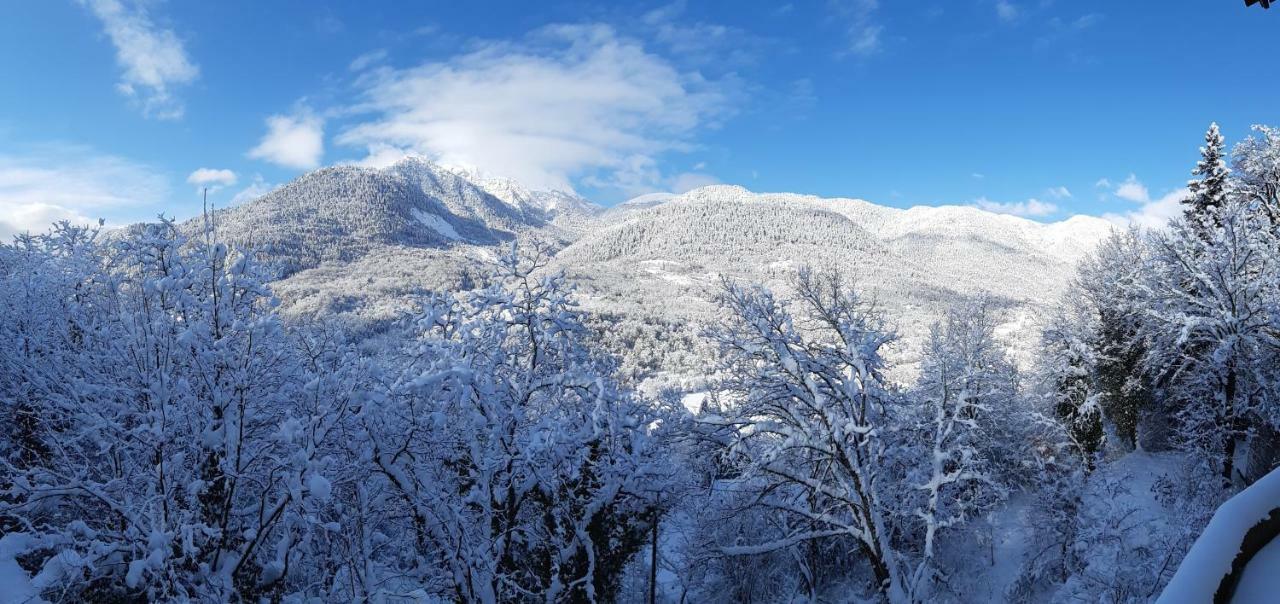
[179, 456]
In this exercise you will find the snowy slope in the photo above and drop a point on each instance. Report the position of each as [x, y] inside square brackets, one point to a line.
[343, 213]
[564, 209]
[664, 257]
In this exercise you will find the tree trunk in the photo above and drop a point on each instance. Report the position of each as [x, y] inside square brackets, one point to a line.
[1229, 448]
[881, 571]
[653, 563]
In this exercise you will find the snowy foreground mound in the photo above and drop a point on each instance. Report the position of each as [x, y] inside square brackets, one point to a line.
[1237, 558]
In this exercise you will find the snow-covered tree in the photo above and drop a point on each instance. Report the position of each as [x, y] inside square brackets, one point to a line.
[967, 385]
[1209, 191]
[1212, 327]
[1108, 282]
[808, 410]
[1256, 163]
[1067, 370]
[184, 466]
[525, 472]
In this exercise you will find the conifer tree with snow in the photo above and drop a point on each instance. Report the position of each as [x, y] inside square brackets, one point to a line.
[1067, 370]
[1209, 191]
[1112, 315]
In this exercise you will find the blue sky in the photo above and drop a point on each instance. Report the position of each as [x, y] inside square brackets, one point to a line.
[124, 108]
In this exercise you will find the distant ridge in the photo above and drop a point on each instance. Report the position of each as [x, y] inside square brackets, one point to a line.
[342, 213]
[362, 241]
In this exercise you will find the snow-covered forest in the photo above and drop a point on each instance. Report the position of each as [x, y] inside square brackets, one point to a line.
[171, 435]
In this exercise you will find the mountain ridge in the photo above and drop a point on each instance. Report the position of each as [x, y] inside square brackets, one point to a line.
[364, 242]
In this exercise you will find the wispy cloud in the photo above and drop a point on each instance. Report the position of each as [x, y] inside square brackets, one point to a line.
[70, 182]
[1059, 192]
[707, 45]
[293, 141]
[1061, 30]
[1007, 11]
[566, 102]
[1029, 208]
[153, 58]
[689, 181]
[862, 30]
[368, 59]
[256, 189]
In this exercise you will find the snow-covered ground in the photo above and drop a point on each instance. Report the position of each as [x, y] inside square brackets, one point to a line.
[15, 585]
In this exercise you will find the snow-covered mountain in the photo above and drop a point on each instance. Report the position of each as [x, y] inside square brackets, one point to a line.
[563, 208]
[664, 261]
[343, 213]
[365, 241]
[553, 201]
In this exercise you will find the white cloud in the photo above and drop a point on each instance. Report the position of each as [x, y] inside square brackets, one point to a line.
[1029, 208]
[865, 40]
[256, 189]
[567, 102]
[153, 58]
[212, 178]
[1133, 190]
[689, 181]
[1059, 192]
[978, 175]
[65, 182]
[293, 141]
[35, 218]
[1007, 11]
[1154, 213]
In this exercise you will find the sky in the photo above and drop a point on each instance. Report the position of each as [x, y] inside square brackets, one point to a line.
[125, 109]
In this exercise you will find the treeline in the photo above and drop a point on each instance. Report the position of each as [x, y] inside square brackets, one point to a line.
[1171, 339]
[172, 440]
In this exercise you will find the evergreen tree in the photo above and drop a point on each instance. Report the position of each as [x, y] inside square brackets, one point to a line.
[1109, 282]
[1067, 372]
[1209, 191]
